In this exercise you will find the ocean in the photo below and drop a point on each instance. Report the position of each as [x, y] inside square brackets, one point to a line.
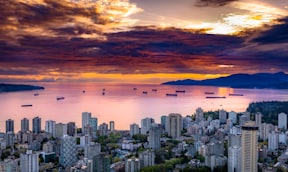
[123, 103]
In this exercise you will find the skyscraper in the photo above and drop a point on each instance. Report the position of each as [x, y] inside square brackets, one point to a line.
[103, 129]
[60, 130]
[50, 127]
[101, 163]
[222, 116]
[282, 121]
[112, 125]
[29, 162]
[68, 155]
[163, 120]
[71, 128]
[273, 141]
[24, 125]
[94, 126]
[249, 144]
[174, 125]
[199, 114]
[132, 165]
[233, 116]
[86, 116]
[234, 159]
[134, 129]
[146, 123]
[154, 136]
[9, 125]
[36, 125]
[258, 118]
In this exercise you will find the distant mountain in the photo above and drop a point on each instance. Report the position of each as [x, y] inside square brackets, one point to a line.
[259, 80]
[18, 87]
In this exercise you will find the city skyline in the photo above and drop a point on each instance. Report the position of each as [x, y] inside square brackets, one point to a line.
[140, 41]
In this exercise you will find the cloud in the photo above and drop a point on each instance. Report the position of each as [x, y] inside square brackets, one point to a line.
[276, 34]
[212, 3]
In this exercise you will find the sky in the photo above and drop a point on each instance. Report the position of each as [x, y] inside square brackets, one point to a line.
[141, 41]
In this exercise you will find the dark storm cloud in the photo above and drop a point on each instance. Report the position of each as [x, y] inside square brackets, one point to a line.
[277, 34]
[212, 3]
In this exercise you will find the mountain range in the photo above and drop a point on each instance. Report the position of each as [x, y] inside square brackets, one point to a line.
[259, 80]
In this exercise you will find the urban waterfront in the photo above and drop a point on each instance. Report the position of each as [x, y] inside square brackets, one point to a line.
[123, 103]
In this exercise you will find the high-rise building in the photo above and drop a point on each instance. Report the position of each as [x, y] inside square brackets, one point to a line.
[134, 129]
[10, 125]
[222, 116]
[249, 144]
[273, 141]
[71, 129]
[60, 130]
[258, 118]
[50, 127]
[132, 165]
[234, 140]
[174, 125]
[36, 125]
[10, 138]
[199, 114]
[243, 119]
[86, 117]
[154, 136]
[146, 123]
[24, 125]
[92, 149]
[233, 116]
[282, 121]
[101, 163]
[112, 125]
[163, 120]
[103, 129]
[264, 130]
[94, 126]
[147, 158]
[282, 138]
[234, 159]
[29, 162]
[68, 155]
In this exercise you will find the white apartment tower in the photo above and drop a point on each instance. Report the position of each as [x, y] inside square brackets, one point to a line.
[29, 162]
[50, 127]
[134, 129]
[282, 121]
[258, 118]
[146, 123]
[249, 144]
[174, 125]
[86, 116]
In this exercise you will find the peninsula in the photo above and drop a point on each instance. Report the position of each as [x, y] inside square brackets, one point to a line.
[18, 87]
[259, 80]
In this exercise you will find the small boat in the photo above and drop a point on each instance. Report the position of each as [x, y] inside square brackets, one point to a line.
[83, 91]
[154, 90]
[103, 89]
[36, 94]
[103, 93]
[215, 97]
[134, 89]
[145, 92]
[28, 105]
[171, 94]
[180, 91]
[208, 92]
[236, 94]
[60, 98]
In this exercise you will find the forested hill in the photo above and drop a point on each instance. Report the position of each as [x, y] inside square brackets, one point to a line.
[18, 87]
[269, 109]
